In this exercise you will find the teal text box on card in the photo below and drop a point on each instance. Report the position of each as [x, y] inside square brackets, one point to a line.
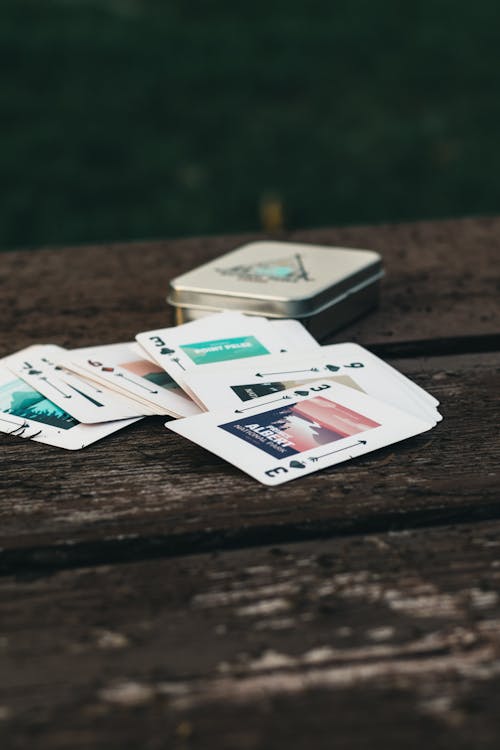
[208, 352]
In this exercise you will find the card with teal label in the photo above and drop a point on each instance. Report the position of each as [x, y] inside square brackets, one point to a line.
[216, 339]
[208, 352]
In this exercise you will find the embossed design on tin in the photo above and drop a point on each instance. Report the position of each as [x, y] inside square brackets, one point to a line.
[290, 270]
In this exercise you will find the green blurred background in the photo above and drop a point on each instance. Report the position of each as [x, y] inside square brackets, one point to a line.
[126, 119]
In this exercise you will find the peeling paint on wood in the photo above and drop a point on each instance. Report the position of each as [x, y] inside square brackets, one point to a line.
[166, 638]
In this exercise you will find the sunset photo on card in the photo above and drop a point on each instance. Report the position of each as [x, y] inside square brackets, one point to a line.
[294, 428]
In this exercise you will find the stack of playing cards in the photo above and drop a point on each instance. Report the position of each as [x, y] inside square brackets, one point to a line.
[264, 395]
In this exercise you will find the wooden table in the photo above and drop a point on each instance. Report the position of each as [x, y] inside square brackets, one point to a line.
[155, 597]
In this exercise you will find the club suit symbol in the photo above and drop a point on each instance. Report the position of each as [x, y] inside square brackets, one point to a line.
[166, 350]
[301, 393]
[332, 368]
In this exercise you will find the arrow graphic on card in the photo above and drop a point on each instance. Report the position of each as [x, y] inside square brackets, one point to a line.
[23, 424]
[282, 398]
[85, 395]
[131, 380]
[339, 450]
[65, 374]
[286, 372]
[78, 378]
[46, 380]
[178, 362]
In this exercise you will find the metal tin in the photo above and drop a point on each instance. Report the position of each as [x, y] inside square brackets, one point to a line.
[323, 287]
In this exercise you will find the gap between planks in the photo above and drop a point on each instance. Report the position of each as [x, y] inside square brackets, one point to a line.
[35, 562]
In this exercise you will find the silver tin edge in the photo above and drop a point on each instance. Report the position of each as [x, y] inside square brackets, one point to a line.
[264, 309]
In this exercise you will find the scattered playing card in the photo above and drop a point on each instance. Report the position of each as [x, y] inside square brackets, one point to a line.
[286, 436]
[80, 398]
[218, 387]
[118, 367]
[362, 356]
[26, 413]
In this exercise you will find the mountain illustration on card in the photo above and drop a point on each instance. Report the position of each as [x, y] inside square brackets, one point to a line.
[290, 269]
[19, 399]
[295, 428]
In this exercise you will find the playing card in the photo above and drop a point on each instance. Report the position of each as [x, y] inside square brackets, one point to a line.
[90, 377]
[302, 430]
[222, 337]
[83, 400]
[360, 355]
[117, 366]
[26, 413]
[218, 387]
[420, 392]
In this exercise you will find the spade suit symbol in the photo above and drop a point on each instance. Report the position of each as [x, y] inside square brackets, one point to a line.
[166, 350]
[301, 393]
[332, 368]
[297, 465]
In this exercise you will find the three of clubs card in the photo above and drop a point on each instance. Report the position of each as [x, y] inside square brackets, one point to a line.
[221, 338]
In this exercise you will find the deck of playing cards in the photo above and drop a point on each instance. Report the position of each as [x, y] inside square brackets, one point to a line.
[263, 395]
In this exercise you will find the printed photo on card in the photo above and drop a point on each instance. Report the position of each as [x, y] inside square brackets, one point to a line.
[294, 428]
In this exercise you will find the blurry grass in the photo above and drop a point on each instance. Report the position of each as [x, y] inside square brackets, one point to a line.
[124, 119]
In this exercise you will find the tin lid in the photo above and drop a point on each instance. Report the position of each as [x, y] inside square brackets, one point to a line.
[276, 278]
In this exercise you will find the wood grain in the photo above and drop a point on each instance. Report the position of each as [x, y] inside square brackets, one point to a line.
[147, 492]
[443, 281]
[372, 641]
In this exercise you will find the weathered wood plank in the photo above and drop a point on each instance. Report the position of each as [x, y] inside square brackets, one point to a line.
[442, 281]
[370, 641]
[146, 492]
